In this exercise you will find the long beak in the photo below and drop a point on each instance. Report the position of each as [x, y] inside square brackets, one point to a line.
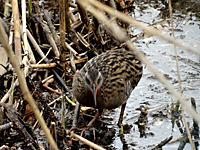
[94, 92]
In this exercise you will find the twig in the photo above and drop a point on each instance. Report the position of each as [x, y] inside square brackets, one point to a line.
[45, 56]
[6, 126]
[46, 79]
[11, 32]
[69, 101]
[50, 89]
[6, 8]
[67, 17]
[186, 19]
[12, 91]
[174, 140]
[36, 46]
[24, 37]
[6, 96]
[85, 141]
[76, 113]
[162, 143]
[63, 83]
[29, 50]
[155, 108]
[48, 18]
[41, 66]
[51, 40]
[99, 120]
[59, 98]
[62, 28]
[83, 14]
[53, 130]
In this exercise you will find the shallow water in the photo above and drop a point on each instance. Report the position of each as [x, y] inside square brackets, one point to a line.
[150, 92]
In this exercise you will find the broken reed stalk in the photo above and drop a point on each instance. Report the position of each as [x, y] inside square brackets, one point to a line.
[24, 88]
[6, 96]
[51, 41]
[47, 53]
[24, 37]
[26, 44]
[179, 79]
[67, 18]
[6, 9]
[10, 101]
[85, 141]
[62, 32]
[36, 46]
[62, 22]
[41, 66]
[51, 26]
[24, 34]
[6, 126]
[130, 45]
[162, 143]
[63, 107]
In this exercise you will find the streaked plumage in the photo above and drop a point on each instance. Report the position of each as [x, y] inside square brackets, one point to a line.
[117, 72]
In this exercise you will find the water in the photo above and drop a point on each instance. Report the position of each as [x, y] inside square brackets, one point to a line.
[150, 92]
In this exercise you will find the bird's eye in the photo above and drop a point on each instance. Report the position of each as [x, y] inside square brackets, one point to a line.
[87, 81]
[98, 81]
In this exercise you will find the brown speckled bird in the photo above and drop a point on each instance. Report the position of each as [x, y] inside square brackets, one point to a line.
[107, 80]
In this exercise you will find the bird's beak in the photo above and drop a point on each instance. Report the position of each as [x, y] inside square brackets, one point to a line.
[94, 93]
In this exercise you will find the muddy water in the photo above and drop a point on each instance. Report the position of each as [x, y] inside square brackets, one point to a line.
[150, 92]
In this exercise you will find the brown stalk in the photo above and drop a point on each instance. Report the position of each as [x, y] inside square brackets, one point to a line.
[51, 40]
[67, 18]
[46, 85]
[179, 79]
[17, 39]
[50, 24]
[53, 130]
[36, 46]
[91, 144]
[6, 96]
[83, 14]
[41, 66]
[30, 52]
[62, 32]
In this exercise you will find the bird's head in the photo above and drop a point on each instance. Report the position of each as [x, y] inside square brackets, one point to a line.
[93, 81]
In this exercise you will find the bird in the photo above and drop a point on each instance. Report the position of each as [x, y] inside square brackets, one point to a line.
[107, 80]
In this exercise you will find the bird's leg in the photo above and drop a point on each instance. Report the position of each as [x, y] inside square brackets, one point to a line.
[121, 115]
[99, 111]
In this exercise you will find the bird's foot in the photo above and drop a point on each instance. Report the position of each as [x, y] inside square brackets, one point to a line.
[95, 118]
[85, 132]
